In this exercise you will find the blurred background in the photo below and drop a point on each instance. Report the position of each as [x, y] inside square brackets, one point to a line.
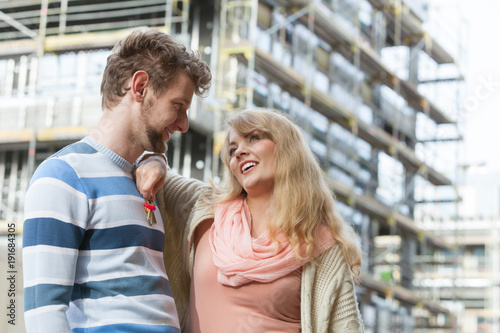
[396, 98]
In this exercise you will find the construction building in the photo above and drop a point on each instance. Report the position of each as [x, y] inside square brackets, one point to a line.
[472, 271]
[357, 75]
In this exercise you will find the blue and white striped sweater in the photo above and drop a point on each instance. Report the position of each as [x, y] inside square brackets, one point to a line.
[91, 261]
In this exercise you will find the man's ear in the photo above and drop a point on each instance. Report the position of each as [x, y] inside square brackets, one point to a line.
[138, 85]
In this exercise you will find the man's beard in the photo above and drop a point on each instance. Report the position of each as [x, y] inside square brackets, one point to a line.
[155, 137]
[156, 140]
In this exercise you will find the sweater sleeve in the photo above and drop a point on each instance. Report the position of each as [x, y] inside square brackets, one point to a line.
[55, 213]
[329, 293]
[179, 196]
[345, 316]
[177, 200]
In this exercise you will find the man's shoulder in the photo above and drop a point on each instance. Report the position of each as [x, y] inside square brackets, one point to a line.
[80, 148]
[74, 156]
[65, 163]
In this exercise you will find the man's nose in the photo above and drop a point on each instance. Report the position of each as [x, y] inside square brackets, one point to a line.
[182, 123]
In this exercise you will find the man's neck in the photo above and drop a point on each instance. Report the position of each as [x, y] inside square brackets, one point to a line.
[113, 132]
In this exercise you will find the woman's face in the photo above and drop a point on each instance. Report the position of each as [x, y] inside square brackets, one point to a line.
[252, 162]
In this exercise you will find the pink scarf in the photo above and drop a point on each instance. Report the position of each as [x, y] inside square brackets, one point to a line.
[241, 259]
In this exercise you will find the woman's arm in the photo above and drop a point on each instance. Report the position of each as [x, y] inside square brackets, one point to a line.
[179, 193]
[150, 172]
[180, 202]
[329, 300]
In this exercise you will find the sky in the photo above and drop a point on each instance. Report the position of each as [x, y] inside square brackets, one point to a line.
[482, 96]
[481, 103]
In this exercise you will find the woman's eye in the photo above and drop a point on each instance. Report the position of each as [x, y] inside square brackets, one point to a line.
[231, 151]
[254, 137]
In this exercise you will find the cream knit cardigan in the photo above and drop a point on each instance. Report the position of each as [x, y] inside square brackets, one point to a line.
[328, 299]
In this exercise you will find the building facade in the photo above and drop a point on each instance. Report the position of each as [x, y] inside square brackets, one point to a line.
[468, 277]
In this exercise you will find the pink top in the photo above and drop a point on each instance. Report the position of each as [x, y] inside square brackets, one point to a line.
[252, 307]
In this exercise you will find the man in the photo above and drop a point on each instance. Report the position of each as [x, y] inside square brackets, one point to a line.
[92, 254]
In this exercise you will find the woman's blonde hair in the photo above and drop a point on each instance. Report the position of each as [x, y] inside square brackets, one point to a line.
[301, 198]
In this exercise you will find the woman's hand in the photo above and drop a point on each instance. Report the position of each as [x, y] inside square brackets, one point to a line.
[150, 176]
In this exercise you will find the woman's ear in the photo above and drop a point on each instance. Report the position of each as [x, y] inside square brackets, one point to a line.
[138, 86]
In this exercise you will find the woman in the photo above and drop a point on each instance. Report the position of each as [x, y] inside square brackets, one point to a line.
[265, 251]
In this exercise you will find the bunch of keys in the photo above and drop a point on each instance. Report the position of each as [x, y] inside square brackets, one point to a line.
[149, 207]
